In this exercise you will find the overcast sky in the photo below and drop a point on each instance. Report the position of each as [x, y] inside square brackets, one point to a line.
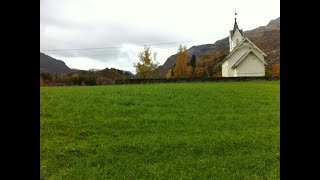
[122, 27]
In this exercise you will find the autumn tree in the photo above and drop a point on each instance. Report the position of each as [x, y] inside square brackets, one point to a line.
[182, 68]
[147, 64]
[275, 69]
[272, 70]
[199, 71]
[208, 65]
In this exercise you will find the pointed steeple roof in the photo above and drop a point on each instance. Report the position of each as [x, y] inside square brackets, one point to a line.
[235, 26]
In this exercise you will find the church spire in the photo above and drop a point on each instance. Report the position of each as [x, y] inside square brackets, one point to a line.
[235, 26]
[236, 35]
[235, 22]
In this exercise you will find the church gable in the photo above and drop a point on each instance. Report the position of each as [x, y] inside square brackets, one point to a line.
[247, 42]
[244, 43]
[250, 65]
[244, 57]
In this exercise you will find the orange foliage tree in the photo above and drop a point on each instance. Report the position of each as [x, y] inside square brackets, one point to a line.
[275, 69]
[199, 71]
[182, 68]
[208, 65]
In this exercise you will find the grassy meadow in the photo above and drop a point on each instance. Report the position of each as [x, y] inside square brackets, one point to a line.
[201, 130]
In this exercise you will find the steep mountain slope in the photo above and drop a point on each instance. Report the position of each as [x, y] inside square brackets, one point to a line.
[51, 65]
[267, 38]
[54, 72]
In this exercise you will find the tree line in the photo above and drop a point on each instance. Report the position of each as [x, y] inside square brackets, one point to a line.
[204, 67]
[82, 78]
[208, 66]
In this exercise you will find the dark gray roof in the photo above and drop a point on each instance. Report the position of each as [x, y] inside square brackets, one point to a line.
[235, 26]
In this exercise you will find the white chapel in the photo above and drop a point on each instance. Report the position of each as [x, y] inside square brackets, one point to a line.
[245, 59]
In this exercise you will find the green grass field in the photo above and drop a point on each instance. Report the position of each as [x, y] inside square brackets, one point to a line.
[204, 130]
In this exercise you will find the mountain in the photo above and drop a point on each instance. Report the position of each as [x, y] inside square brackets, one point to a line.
[55, 72]
[51, 65]
[267, 38]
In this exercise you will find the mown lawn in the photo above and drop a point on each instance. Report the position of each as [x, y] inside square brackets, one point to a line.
[207, 130]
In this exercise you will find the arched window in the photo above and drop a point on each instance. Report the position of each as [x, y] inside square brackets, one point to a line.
[237, 42]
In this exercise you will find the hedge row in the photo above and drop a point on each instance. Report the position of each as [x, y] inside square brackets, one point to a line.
[164, 80]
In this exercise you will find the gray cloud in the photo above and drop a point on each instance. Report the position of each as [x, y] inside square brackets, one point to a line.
[62, 34]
